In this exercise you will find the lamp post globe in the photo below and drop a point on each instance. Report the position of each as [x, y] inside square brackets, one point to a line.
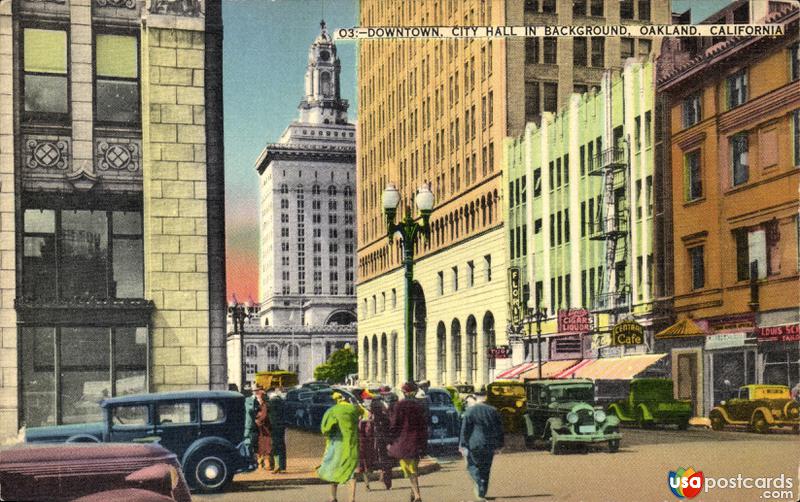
[425, 199]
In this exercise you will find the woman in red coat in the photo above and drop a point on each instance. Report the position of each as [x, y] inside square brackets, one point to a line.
[264, 444]
[409, 426]
[381, 409]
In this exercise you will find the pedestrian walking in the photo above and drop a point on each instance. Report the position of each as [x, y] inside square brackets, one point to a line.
[481, 436]
[339, 462]
[277, 420]
[257, 426]
[380, 409]
[366, 440]
[409, 427]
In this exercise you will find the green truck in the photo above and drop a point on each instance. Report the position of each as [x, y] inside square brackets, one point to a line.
[650, 401]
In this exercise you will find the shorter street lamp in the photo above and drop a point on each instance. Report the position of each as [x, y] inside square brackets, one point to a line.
[537, 315]
[408, 229]
[239, 313]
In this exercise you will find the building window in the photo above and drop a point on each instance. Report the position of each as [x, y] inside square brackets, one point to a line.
[625, 48]
[752, 246]
[739, 150]
[626, 9]
[117, 83]
[440, 282]
[644, 10]
[82, 254]
[579, 51]
[550, 52]
[532, 99]
[697, 267]
[578, 8]
[470, 274]
[598, 51]
[532, 50]
[487, 268]
[796, 136]
[65, 371]
[455, 278]
[693, 181]
[550, 97]
[596, 8]
[736, 86]
[293, 357]
[692, 111]
[45, 73]
[794, 62]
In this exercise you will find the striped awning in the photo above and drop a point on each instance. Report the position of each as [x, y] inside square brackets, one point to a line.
[570, 371]
[617, 368]
[515, 371]
[549, 368]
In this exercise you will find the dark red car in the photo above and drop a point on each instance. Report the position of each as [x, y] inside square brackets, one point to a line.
[88, 472]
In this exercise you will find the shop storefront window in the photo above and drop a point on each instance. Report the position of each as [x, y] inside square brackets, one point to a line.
[782, 366]
[732, 369]
[67, 371]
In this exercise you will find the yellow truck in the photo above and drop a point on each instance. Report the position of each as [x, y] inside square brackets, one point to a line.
[275, 379]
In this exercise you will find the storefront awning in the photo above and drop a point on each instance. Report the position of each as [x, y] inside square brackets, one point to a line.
[617, 368]
[515, 371]
[549, 368]
[682, 328]
[570, 371]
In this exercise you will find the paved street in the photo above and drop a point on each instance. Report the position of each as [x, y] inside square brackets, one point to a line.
[637, 473]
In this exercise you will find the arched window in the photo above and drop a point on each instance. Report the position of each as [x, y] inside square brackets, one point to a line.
[251, 351]
[315, 190]
[273, 361]
[293, 354]
[325, 83]
[332, 190]
[365, 352]
[284, 188]
[348, 192]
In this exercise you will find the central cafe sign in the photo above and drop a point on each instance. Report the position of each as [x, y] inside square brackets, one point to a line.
[627, 332]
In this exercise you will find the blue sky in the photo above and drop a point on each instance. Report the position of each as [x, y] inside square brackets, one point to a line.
[265, 53]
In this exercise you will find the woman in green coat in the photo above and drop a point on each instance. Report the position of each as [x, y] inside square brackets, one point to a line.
[340, 428]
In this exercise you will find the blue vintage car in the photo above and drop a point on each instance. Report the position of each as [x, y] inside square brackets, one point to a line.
[444, 421]
[204, 429]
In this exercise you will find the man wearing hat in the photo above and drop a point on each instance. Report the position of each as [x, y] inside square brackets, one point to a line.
[481, 435]
[409, 427]
[257, 426]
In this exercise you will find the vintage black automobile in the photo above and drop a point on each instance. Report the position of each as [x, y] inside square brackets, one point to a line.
[758, 407]
[91, 472]
[650, 401]
[444, 421]
[204, 429]
[508, 397]
[320, 401]
[296, 407]
[564, 411]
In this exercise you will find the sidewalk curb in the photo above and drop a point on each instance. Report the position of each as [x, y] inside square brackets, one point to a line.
[425, 467]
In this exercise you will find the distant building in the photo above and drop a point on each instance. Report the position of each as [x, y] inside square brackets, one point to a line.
[112, 242]
[307, 231]
[307, 297]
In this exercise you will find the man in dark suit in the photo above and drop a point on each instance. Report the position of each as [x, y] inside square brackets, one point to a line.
[278, 421]
[481, 436]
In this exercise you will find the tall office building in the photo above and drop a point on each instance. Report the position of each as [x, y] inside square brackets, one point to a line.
[438, 111]
[112, 204]
[308, 205]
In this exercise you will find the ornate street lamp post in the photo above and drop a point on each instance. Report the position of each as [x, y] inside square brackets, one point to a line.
[239, 313]
[408, 229]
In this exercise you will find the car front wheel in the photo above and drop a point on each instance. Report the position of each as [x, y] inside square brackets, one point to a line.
[717, 421]
[208, 471]
[760, 424]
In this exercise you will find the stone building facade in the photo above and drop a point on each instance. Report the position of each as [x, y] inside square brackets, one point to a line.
[112, 196]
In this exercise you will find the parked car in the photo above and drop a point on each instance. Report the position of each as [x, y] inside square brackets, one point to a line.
[100, 472]
[296, 407]
[444, 421]
[508, 397]
[321, 400]
[204, 429]
[650, 401]
[759, 407]
[563, 411]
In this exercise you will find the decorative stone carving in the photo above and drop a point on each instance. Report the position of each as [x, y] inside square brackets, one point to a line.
[46, 153]
[128, 4]
[118, 155]
[193, 8]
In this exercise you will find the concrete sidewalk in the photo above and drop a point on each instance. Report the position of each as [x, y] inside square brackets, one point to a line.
[304, 454]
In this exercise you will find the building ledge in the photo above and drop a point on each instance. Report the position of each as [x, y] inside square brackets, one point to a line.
[85, 311]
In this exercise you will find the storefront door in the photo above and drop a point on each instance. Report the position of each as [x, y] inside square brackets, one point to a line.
[686, 377]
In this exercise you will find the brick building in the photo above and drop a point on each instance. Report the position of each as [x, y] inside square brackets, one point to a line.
[112, 238]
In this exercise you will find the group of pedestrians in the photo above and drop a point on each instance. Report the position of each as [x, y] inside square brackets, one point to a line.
[375, 436]
[265, 428]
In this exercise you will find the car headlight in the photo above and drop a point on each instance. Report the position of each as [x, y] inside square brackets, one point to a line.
[600, 415]
[572, 417]
[519, 404]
